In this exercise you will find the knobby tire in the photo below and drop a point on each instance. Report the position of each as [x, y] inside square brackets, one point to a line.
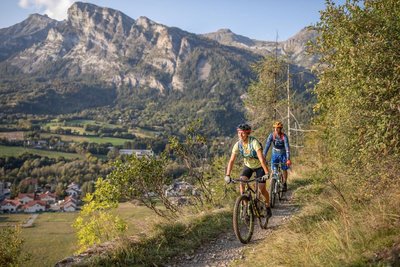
[243, 226]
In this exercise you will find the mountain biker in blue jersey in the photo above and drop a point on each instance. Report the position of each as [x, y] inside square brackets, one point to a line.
[280, 150]
[251, 151]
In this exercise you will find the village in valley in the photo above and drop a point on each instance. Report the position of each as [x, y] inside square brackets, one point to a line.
[45, 199]
[40, 201]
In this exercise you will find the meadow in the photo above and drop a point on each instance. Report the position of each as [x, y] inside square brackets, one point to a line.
[79, 127]
[53, 238]
[14, 151]
[89, 139]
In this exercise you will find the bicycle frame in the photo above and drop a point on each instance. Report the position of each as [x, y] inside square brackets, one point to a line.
[276, 183]
[277, 173]
[246, 208]
[249, 192]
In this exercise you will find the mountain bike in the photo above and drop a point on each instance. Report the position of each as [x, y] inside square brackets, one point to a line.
[276, 186]
[248, 206]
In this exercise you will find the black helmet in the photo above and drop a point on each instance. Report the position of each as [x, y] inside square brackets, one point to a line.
[244, 127]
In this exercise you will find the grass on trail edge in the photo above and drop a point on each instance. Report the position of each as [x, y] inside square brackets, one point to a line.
[167, 241]
[326, 232]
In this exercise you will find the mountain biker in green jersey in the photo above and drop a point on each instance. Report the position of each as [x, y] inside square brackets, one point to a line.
[251, 151]
[280, 150]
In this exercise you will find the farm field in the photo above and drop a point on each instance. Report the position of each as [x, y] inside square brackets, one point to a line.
[90, 139]
[13, 151]
[78, 126]
[53, 238]
[19, 135]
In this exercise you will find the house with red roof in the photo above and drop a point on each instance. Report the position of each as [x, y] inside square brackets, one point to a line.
[69, 204]
[34, 206]
[25, 198]
[10, 205]
[48, 197]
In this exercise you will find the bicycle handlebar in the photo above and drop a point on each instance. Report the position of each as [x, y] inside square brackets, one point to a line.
[240, 180]
[279, 164]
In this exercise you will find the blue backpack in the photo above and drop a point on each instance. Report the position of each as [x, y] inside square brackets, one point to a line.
[253, 152]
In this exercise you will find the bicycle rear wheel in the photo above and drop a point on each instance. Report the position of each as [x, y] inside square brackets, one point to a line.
[243, 219]
[272, 192]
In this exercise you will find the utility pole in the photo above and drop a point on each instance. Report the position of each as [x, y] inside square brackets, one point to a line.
[288, 98]
[275, 76]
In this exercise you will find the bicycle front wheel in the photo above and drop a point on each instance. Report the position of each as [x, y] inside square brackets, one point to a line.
[243, 219]
[280, 192]
[280, 188]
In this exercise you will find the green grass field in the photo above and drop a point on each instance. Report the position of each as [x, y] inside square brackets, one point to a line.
[74, 123]
[142, 133]
[53, 238]
[8, 151]
[89, 139]
[139, 132]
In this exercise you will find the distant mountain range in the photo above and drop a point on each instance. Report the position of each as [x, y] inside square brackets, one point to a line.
[100, 57]
[294, 48]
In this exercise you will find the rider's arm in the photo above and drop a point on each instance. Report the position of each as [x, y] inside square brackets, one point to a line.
[287, 147]
[262, 161]
[230, 164]
[235, 152]
[267, 145]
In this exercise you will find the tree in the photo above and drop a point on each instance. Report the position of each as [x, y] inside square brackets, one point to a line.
[264, 95]
[87, 187]
[11, 251]
[193, 152]
[60, 191]
[95, 223]
[358, 91]
[358, 95]
[144, 179]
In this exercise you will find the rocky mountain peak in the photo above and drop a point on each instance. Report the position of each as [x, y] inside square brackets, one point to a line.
[85, 16]
[31, 25]
[22, 35]
[37, 18]
[144, 22]
[224, 31]
[294, 46]
[227, 37]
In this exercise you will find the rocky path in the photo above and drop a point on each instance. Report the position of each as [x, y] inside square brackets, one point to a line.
[226, 249]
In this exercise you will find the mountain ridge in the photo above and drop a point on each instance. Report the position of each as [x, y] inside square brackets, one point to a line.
[294, 47]
[101, 57]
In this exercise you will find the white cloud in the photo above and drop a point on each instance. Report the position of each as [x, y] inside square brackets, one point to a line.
[56, 9]
[24, 3]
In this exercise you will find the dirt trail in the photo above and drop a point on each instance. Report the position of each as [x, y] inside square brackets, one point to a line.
[226, 249]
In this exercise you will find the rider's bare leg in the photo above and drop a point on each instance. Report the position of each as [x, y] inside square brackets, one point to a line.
[284, 176]
[264, 192]
[242, 185]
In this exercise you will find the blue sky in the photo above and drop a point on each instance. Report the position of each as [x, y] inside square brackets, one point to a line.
[257, 19]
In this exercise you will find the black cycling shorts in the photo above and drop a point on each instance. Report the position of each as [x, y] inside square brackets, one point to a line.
[248, 172]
